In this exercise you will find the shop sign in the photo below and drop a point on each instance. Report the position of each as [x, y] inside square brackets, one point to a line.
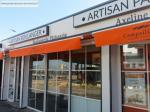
[108, 10]
[123, 35]
[40, 32]
[49, 38]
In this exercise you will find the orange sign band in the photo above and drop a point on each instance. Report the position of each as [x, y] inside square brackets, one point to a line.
[123, 35]
[57, 46]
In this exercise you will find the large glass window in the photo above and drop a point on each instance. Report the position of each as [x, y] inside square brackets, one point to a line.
[86, 80]
[134, 57]
[36, 82]
[134, 75]
[58, 81]
[85, 66]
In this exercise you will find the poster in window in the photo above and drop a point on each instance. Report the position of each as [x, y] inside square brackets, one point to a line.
[135, 89]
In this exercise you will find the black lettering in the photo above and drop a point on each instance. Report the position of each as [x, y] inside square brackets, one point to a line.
[96, 14]
[118, 22]
[128, 19]
[140, 17]
[90, 17]
[125, 5]
[136, 2]
[143, 1]
[116, 8]
[124, 20]
[101, 12]
[105, 11]
[145, 15]
[109, 8]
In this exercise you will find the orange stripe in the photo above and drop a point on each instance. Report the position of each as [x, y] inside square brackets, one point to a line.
[1, 55]
[126, 34]
[57, 46]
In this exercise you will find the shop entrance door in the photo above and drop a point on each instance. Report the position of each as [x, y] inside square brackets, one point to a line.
[14, 80]
[11, 88]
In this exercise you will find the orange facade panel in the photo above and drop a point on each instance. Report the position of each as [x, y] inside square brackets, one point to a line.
[123, 35]
[56, 46]
[1, 55]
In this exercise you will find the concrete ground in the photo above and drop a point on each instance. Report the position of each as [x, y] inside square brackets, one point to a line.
[5, 107]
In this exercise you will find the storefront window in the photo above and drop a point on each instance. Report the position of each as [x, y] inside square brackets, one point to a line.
[93, 88]
[133, 57]
[36, 82]
[62, 82]
[134, 75]
[78, 60]
[58, 81]
[86, 80]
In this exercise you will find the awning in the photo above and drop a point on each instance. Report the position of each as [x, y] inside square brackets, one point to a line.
[123, 35]
[1, 55]
[56, 46]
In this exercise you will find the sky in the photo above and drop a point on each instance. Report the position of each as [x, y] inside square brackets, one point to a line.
[23, 19]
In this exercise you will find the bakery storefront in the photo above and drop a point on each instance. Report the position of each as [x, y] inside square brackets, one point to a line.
[97, 60]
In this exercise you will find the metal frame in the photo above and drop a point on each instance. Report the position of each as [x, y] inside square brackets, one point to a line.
[21, 82]
[45, 83]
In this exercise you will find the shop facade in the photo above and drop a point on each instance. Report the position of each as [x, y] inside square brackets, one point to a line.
[96, 60]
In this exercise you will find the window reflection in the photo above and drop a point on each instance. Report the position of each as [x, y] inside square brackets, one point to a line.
[63, 59]
[62, 103]
[36, 82]
[40, 78]
[50, 102]
[41, 62]
[86, 80]
[33, 61]
[32, 79]
[78, 60]
[58, 77]
[93, 87]
[31, 98]
[134, 56]
[93, 58]
[39, 100]
[52, 61]
[52, 81]
[78, 83]
[135, 92]
[62, 82]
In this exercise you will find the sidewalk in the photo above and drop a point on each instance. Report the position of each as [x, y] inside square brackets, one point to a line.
[4, 107]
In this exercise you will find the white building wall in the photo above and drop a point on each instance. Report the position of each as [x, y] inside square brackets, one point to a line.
[105, 79]
[5, 79]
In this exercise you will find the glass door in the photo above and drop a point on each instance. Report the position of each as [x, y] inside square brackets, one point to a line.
[11, 88]
[58, 81]
[36, 87]
[18, 79]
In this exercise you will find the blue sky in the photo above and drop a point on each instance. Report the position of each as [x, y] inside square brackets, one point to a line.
[23, 19]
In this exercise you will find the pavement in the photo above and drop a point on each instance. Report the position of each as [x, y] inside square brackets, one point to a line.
[5, 107]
